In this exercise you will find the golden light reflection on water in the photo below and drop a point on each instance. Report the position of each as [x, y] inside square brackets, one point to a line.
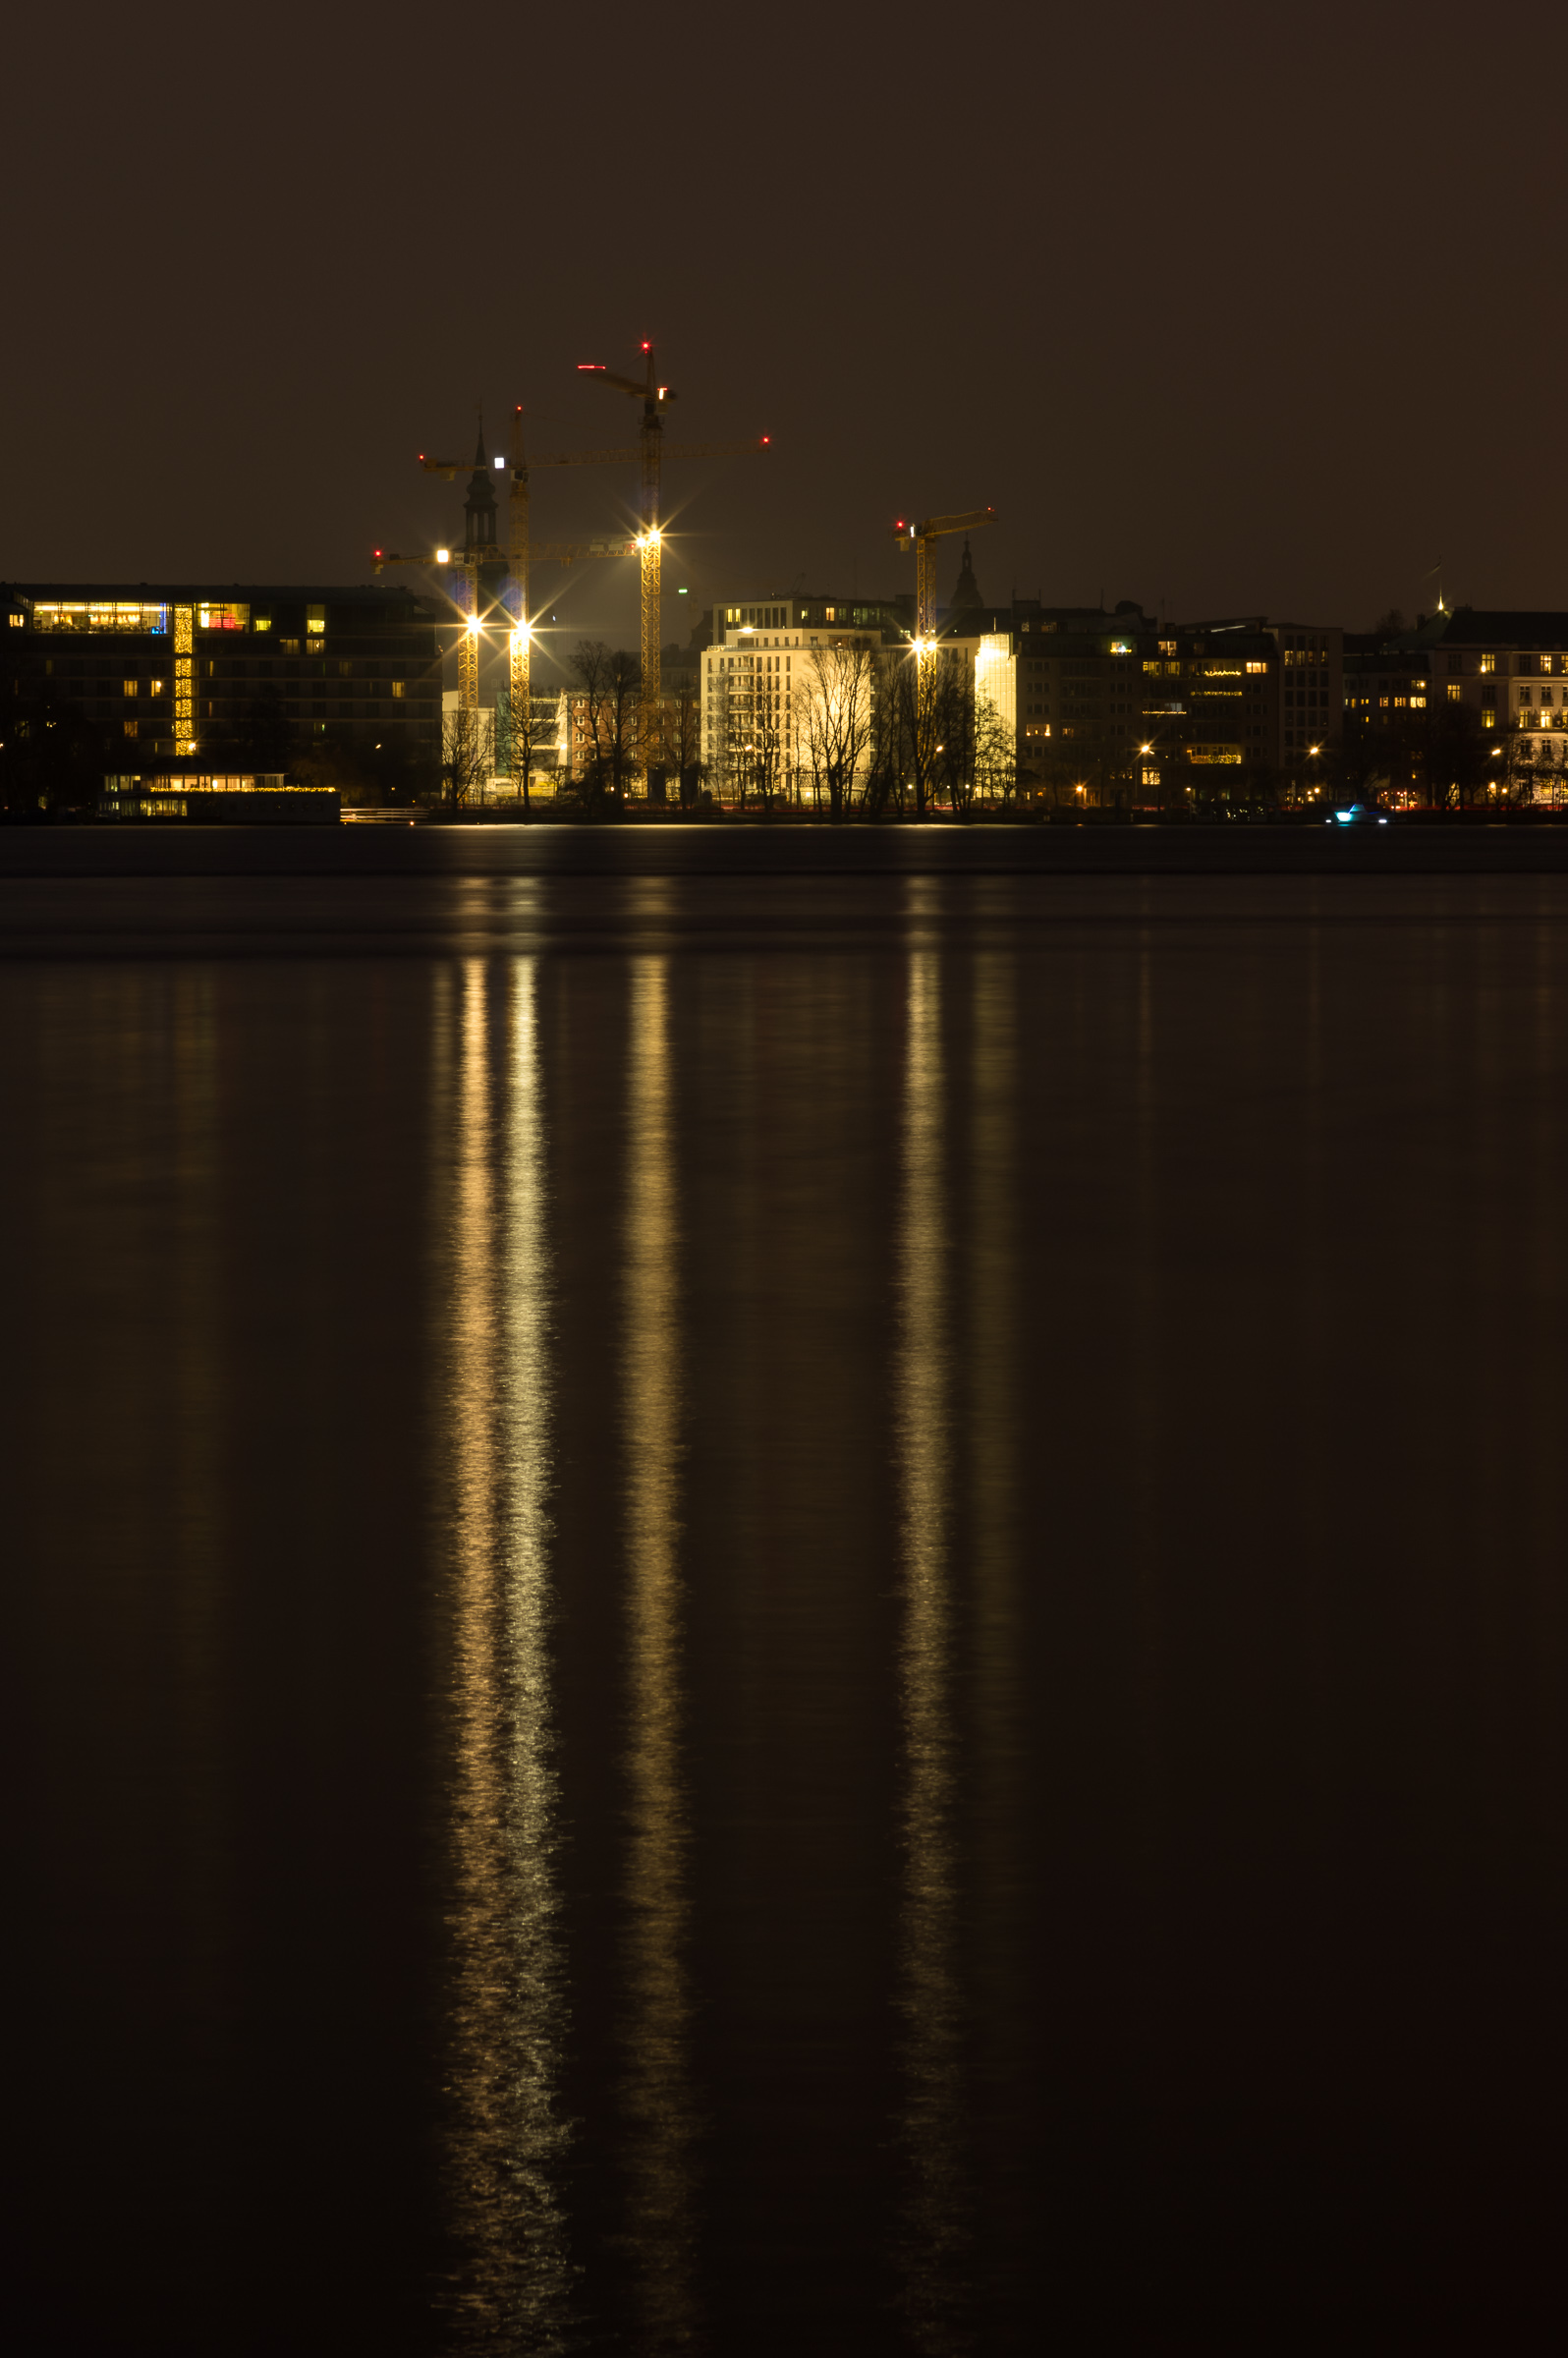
[991, 1343]
[936, 2225]
[655, 2092]
[511, 2284]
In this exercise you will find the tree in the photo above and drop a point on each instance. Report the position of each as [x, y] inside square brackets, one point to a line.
[51, 758]
[468, 755]
[521, 735]
[609, 689]
[994, 755]
[1457, 760]
[832, 705]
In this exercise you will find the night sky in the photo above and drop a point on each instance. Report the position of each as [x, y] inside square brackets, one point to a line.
[1223, 308]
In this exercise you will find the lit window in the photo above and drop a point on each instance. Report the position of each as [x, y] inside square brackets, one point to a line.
[1488, 662]
[1257, 666]
[130, 687]
[316, 620]
[155, 687]
[400, 688]
[130, 729]
[16, 622]
[1456, 694]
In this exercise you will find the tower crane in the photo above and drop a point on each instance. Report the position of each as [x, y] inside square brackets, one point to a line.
[649, 453]
[478, 553]
[922, 539]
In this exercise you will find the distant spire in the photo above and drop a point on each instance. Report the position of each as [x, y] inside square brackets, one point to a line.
[966, 594]
[479, 509]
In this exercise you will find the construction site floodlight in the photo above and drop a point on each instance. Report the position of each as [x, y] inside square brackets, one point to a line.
[473, 622]
[500, 463]
[444, 556]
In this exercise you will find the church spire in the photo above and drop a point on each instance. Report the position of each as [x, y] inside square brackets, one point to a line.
[479, 509]
[966, 596]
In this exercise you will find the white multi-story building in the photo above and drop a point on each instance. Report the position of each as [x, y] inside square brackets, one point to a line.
[756, 686]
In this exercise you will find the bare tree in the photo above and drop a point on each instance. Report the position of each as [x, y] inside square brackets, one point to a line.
[468, 755]
[833, 708]
[609, 694]
[995, 753]
[529, 727]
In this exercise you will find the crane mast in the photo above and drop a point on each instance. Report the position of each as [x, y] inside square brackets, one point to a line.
[650, 539]
[517, 533]
[922, 538]
[649, 452]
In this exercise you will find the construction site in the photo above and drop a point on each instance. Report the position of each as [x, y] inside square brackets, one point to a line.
[446, 688]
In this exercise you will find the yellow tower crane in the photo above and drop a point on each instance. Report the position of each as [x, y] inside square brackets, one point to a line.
[520, 552]
[467, 563]
[922, 539]
[651, 454]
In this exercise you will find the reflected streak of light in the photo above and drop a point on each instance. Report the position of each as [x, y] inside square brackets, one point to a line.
[936, 2226]
[993, 1347]
[656, 2086]
[513, 2281]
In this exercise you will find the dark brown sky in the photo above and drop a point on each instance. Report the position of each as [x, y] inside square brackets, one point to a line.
[1227, 307]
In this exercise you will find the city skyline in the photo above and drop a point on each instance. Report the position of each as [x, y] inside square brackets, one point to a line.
[1211, 310]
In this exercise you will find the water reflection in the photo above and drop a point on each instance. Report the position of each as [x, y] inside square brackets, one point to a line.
[936, 2226]
[655, 2089]
[991, 1344]
[511, 2281]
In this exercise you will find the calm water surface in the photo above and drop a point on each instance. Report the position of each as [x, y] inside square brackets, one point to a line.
[783, 1615]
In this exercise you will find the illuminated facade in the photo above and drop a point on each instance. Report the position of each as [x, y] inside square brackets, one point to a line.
[804, 611]
[1116, 708]
[182, 674]
[756, 686]
[1509, 667]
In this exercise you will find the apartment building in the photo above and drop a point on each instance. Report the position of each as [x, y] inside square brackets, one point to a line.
[752, 717]
[1510, 666]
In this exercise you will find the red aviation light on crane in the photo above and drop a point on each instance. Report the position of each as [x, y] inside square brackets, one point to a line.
[646, 346]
